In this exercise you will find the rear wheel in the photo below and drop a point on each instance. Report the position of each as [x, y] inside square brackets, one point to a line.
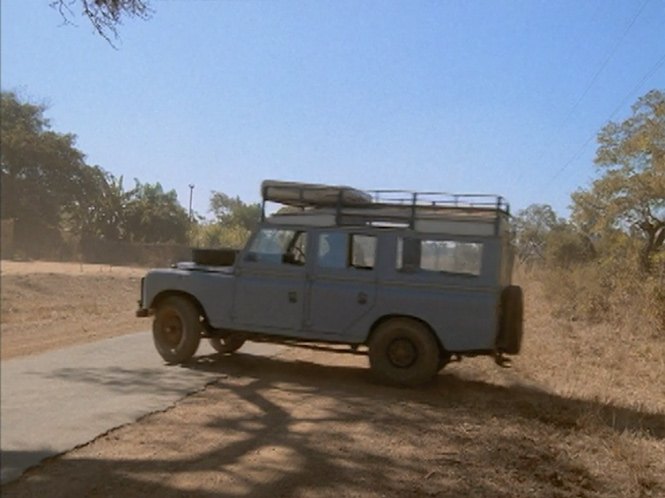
[176, 329]
[403, 351]
[444, 359]
[228, 344]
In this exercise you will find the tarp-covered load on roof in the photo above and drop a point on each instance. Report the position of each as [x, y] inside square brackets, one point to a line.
[299, 194]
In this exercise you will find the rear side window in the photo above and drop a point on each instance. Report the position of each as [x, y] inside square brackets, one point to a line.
[341, 250]
[363, 251]
[445, 256]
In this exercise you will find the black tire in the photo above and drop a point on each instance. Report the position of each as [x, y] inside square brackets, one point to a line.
[214, 257]
[403, 351]
[229, 344]
[444, 359]
[176, 329]
[511, 326]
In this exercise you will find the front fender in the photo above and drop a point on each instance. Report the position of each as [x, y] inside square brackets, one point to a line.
[212, 290]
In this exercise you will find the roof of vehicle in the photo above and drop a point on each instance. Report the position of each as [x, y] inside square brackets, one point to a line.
[431, 212]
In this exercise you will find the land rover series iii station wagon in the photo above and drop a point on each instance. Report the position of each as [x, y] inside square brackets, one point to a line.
[412, 279]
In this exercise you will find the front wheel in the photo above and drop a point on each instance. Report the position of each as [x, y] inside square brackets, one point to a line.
[176, 329]
[403, 351]
[228, 344]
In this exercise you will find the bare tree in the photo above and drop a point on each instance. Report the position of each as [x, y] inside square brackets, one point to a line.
[104, 15]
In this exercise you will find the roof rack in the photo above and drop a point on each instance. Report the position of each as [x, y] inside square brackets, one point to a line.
[326, 205]
[440, 200]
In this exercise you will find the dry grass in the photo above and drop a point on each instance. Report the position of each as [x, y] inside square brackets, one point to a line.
[622, 361]
[607, 292]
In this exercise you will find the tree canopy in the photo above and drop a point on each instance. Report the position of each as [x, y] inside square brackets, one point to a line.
[231, 211]
[234, 220]
[532, 225]
[153, 215]
[42, 171]
[46, 184]
[630, 192]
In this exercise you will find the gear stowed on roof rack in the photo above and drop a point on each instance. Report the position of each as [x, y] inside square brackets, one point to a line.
[428, 212]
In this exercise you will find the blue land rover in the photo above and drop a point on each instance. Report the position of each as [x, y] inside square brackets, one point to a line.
[412, 279]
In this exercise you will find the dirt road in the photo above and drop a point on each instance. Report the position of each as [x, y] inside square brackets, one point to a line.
[312, 425]
[577, 415]
[55, 401]
[47, 306]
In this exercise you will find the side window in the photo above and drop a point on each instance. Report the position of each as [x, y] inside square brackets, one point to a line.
[332, 250]
[363, 251]
[408, 254]
[272, 245]
[340, 250]
[448, 256]
[297, 250]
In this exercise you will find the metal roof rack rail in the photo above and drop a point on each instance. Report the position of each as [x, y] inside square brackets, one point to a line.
[402, 208]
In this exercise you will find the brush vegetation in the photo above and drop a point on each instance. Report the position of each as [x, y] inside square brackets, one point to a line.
[606, 264]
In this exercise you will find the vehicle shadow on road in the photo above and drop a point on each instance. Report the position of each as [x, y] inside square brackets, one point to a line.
[448, 389]
[275, 427]
[13, 461]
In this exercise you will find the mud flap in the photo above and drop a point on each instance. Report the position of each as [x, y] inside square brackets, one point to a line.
[511, 325]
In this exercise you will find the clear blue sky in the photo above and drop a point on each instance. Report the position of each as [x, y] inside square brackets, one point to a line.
[458, 96]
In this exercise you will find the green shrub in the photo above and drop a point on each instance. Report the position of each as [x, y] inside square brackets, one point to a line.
[214, 235]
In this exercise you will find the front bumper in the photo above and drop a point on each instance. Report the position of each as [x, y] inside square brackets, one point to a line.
[142, 313]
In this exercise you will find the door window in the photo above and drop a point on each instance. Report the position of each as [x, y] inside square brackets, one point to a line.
[278, 246]
[340, 250]
[332, 250]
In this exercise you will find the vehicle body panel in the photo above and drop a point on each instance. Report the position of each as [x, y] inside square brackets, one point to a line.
[269, 298]
[340, 301]
[212, 288]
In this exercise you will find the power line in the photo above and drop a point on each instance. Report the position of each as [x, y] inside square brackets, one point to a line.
[595, 77]
[646, 78]
[654, 69]
[606, 60]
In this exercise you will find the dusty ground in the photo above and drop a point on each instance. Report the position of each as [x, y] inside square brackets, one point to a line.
[580, 414]
[52, 305]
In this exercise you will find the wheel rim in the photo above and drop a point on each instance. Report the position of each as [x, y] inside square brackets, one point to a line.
[402, 353]
[171, 329]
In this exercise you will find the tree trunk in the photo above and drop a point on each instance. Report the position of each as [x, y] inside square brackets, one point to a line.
[655, 238]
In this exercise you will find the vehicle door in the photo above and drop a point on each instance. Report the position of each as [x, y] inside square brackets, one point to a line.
[270, 282]
[342, 287]
[450, 282]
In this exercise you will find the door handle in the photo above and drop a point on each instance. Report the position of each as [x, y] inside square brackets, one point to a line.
[293, 297]
[362, 298]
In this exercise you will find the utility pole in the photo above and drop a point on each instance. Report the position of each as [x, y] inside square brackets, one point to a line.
[191, 194]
